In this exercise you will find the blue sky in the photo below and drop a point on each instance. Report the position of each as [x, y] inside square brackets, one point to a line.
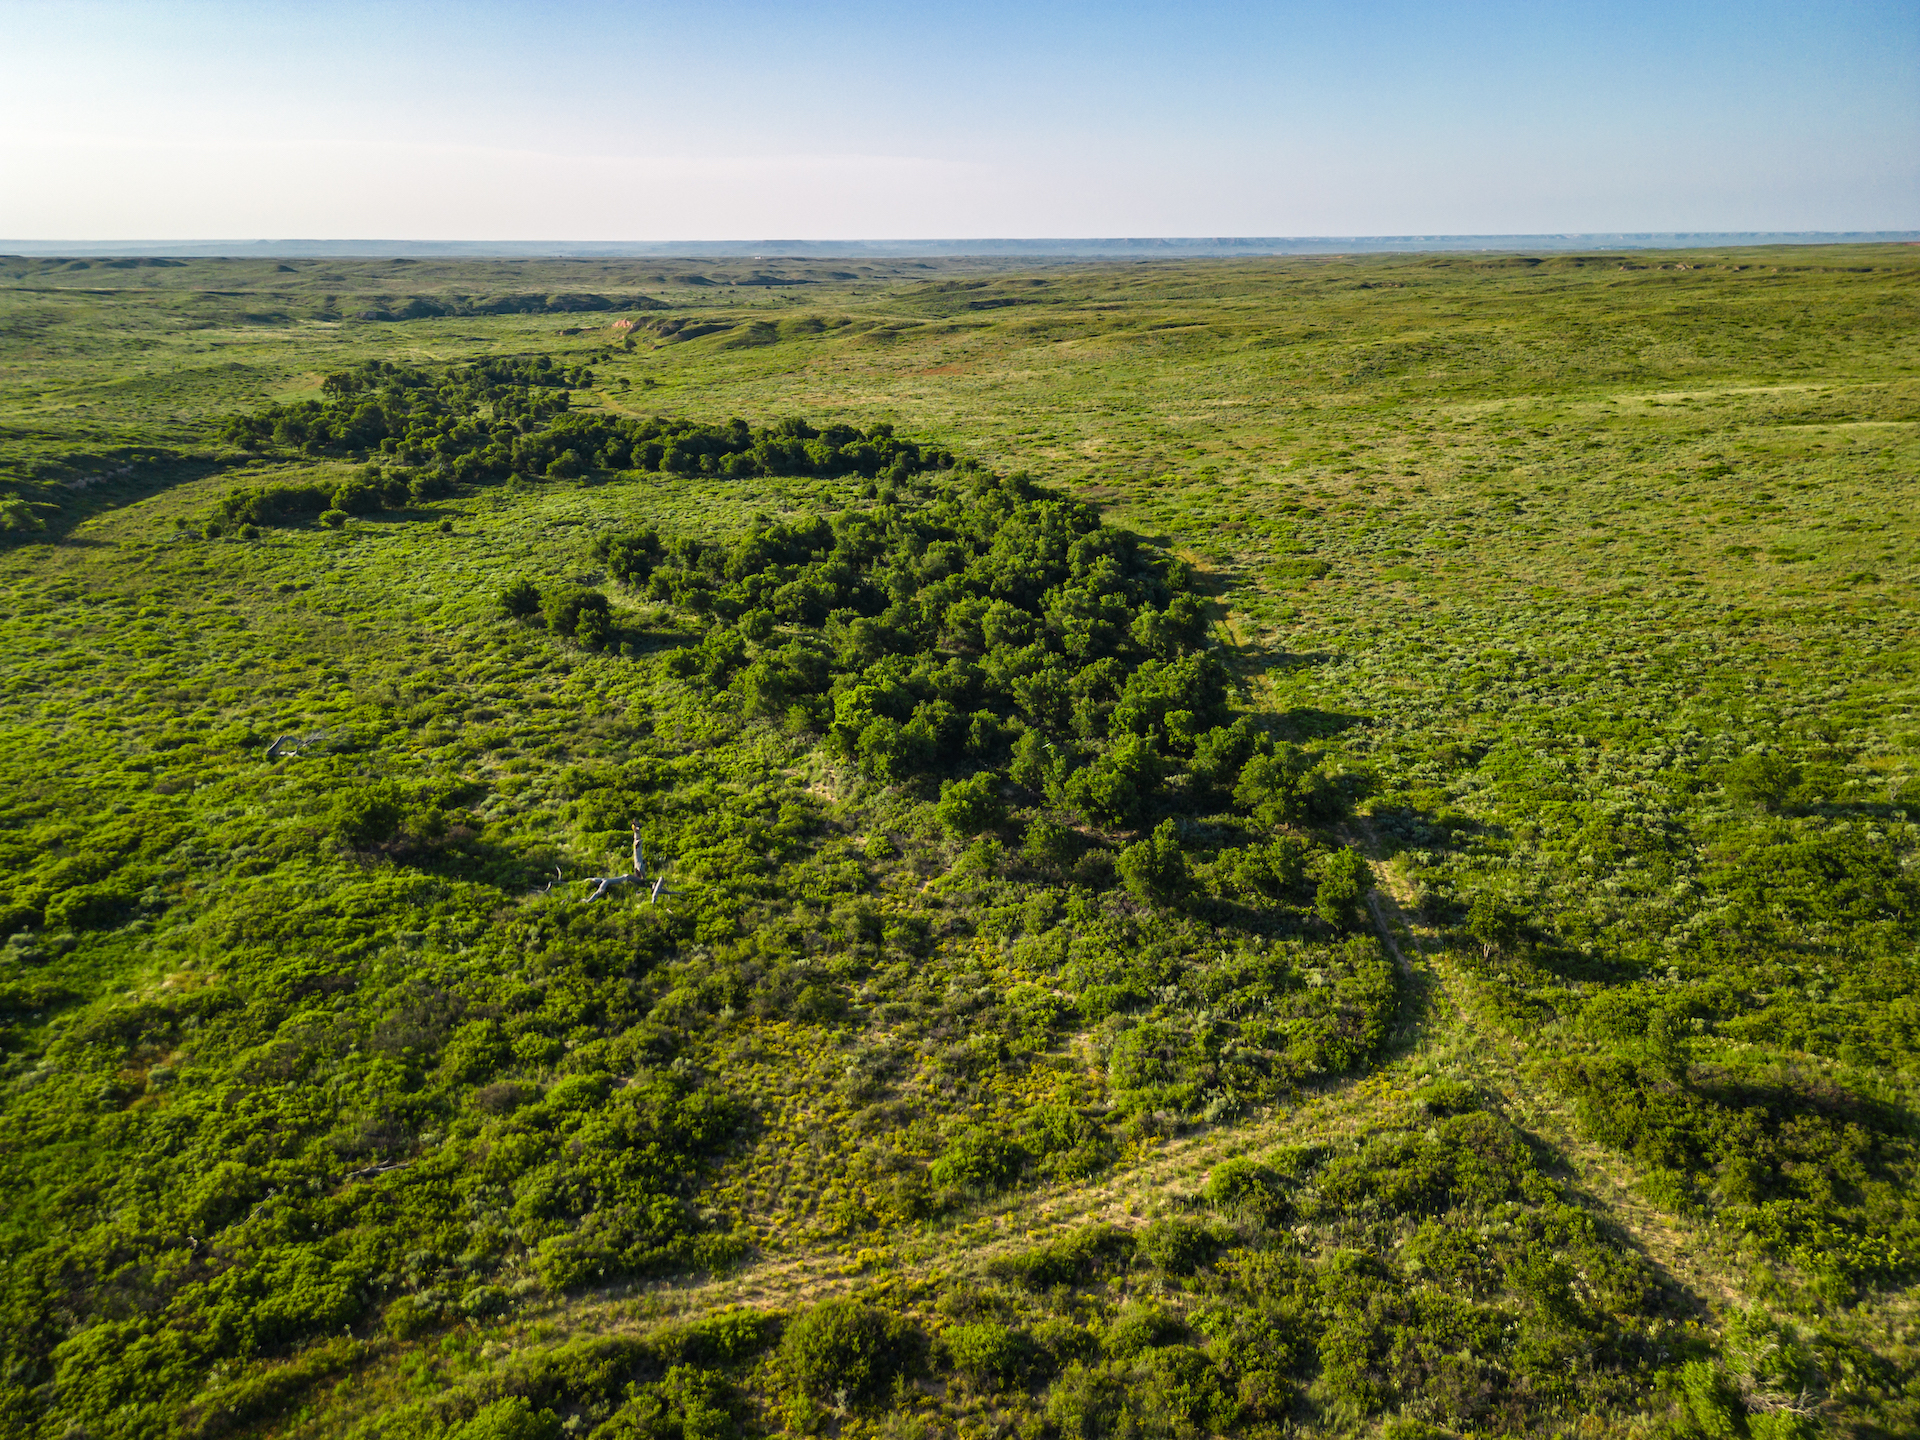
[498, 120]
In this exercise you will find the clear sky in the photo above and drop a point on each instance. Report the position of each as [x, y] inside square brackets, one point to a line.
[734, 119]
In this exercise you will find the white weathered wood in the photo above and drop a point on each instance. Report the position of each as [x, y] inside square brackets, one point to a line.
[293, 743]
[603, 883]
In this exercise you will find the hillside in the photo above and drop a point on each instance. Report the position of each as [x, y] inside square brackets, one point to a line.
[630, 848]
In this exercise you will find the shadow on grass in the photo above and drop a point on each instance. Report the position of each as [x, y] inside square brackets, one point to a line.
[1258, 660]
[146, 477]
[1799, 1093]
[1407, 827]
[1307, 723]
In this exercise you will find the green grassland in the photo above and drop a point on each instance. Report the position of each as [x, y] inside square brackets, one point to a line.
[1308, 847]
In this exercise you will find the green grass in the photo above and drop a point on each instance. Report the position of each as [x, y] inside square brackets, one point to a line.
[1591, 578]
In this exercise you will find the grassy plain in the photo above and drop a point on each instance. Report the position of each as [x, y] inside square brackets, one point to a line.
[1593, 576]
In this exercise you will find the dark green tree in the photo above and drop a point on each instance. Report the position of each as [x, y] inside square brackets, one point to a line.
[843, 1347]
[1764, 780]
[969, 806]
[519, 599]
[1155, 870]
[1341, 899]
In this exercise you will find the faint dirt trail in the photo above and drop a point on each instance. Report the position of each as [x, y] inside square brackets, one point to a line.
[1438, 1021]
[1606, 1176]
[1123, 1198]
[1438, 1012]
[782, 1281]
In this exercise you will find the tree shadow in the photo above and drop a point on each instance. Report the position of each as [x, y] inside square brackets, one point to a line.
[1407, 827]
[465, 854]
[1881, 811]
[145, 478]
[1257, 660]
[1307, 723]
[1800, 1093]
[1545, 952]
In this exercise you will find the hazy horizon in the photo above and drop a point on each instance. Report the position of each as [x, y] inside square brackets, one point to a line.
[1035, 247]
[739, 118]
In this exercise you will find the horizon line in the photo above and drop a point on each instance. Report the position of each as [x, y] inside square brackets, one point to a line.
[953, 247]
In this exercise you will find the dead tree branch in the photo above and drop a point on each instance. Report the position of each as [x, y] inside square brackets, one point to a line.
[604, 883]
[293, 744]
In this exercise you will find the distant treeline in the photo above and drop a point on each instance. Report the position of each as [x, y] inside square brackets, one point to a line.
[498, 418]
[425, 307]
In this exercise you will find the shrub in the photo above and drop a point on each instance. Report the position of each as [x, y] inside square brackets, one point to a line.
[1220, 754]
[1248, 1189]
[1072, 1259]
[821, 1004]
[1178, 1247]
[475, 1051]
[1263, 872]
[844, 1347]
[272, 505]
[357, 497]
[594, 629]
[333, 519]
[99, 906]
[1283, 788]
[511, 1419]
[686, 1403]
[1342, 896]
[985, 1351]
[978, 1160]
[1138, 1328]
[982, 859]
[484, 1301]
[564, 607]
[1176, 1390]
[1447, 1097]
[1112, 790]
[1155, 870]
[729, 1336]
[368, 815]
[1764, 780]
[1712, 1403]
[17, 517]
[410, 1316]
[519, 599]
[430, 485]
[1492, 922]
[969, 806]
[1048, 845]
[1084, 1403]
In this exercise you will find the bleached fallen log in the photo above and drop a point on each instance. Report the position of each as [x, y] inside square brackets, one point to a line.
[370, 1171]
[293, 743]
[603, 883]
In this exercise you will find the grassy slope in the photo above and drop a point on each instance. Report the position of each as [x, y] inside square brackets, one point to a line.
[1628, 516]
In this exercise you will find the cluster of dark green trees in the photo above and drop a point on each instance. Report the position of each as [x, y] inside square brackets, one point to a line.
[988, 631]
[421, 307]
[499, 418]
[367, 491]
